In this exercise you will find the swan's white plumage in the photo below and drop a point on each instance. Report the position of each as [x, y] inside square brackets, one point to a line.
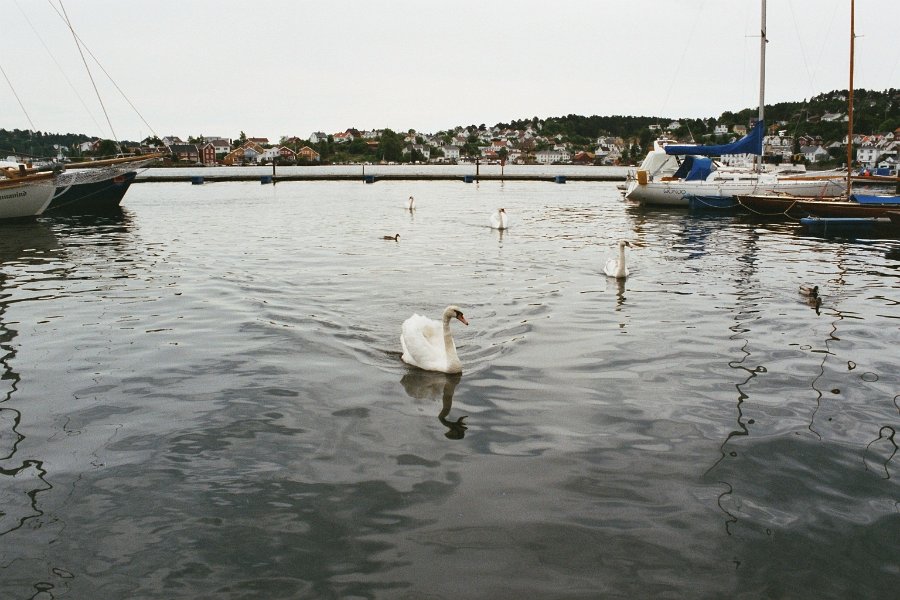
[616, 267]
[499, 219]
[428, 344]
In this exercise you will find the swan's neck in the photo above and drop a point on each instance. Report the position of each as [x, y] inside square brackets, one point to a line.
[449, 345]
[620, 270]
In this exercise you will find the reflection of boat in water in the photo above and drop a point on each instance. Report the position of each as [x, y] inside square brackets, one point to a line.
[24, 242]
[429, 385]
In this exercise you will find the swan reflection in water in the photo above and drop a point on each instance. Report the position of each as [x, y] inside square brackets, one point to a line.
[620, 293]
[429, 385]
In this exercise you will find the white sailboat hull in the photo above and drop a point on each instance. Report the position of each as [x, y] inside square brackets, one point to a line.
[678, 193]
[25, 198]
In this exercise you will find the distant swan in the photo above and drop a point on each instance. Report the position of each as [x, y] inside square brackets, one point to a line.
[428, 344]
[615, 267]
[395, 237]
[411, 203]
[499, 220]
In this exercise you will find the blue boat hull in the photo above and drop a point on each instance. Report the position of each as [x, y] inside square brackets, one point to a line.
[848, 226]
[93, 197]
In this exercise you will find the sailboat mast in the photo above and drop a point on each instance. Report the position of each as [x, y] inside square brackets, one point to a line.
[762, 75]
[762, 63]
[850, 97]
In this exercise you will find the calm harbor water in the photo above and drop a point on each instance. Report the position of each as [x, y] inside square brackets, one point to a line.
[203, 397]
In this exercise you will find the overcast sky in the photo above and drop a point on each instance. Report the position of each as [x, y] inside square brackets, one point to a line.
[276, 68]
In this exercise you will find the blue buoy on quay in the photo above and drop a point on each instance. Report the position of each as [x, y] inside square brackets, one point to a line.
[369, 178]
[468, 178]
[265, 179]
[196, 180]
[560, 179]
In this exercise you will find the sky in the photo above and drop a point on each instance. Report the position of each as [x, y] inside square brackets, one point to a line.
[293, 67]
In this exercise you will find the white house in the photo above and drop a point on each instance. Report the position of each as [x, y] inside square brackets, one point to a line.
[554, 155]
[271, 153]
[451, 152]
[778, 145]
[868, 154]
[814, 154]
[721, 130]
[251, 154]
[90, 146]
[221, 145]
[317, 136]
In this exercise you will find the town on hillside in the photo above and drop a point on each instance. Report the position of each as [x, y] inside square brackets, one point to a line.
[877, 152]
[812, 132]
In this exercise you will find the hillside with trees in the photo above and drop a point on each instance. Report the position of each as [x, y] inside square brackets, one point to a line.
[822, 117]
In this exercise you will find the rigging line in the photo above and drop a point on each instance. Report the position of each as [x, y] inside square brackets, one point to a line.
[58, 66]
[800, 43]
[108, 76]
[22, 106]
[681, 60]
[93, 83]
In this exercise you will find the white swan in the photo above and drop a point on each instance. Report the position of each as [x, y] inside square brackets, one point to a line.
[615, 267]
[428, 344]
[499, 220]
[411, 203]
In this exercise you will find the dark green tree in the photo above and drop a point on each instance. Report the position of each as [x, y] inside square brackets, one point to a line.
[391, 146]
[107, 148]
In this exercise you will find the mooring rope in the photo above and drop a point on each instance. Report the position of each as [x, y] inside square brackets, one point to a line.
[762, 214]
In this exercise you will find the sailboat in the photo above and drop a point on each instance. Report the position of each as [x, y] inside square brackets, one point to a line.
[846, 206]
[85, 187]
[92, 186]
[676, 174]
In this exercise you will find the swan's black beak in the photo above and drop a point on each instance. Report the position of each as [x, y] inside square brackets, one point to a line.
[462, 318]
